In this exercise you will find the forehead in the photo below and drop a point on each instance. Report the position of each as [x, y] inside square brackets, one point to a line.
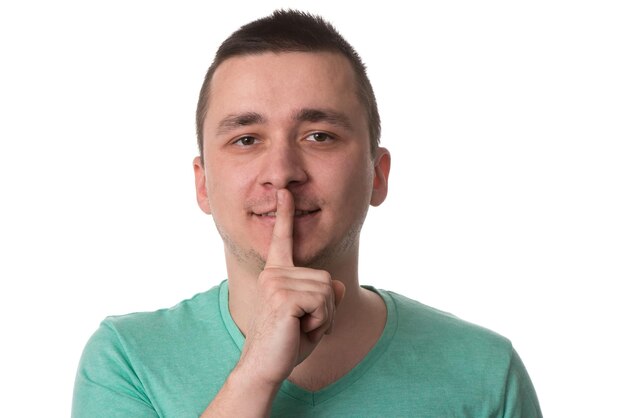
[278, 84]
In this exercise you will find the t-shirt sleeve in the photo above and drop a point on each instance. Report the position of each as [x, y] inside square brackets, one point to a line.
[106, 384]
[520, 398]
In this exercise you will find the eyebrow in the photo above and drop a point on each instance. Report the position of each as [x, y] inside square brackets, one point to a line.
[234, 121]
[323, 115]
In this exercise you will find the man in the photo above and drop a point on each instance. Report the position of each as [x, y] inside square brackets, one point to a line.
[289, 163]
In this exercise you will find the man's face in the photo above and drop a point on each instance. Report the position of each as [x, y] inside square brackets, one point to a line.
[289, 120]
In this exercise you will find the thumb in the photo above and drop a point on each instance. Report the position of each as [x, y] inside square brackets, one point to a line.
[340, 290]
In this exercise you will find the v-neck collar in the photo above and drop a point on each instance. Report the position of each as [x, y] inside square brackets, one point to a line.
[327, 392]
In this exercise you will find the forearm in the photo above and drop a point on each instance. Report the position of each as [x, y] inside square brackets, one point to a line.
[243, 395]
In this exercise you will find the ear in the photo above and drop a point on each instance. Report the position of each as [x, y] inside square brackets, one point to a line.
[201, 191]
[382, 165]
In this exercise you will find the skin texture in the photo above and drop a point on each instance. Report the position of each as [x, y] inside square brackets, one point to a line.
[288, 177]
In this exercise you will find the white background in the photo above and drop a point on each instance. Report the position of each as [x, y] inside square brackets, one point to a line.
[507, 127]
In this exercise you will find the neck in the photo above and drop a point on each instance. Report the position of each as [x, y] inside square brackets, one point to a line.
[359, 321]
[242, 280]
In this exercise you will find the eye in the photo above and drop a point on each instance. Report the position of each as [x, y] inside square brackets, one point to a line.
[319, 137]
[246, 141]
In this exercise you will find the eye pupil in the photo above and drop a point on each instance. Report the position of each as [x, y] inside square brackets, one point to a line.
[247, 140]
[319, 137]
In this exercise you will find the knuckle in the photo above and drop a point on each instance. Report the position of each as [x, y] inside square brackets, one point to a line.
[326, 289]
[271, 287]
[270, 278]
[264, 277]
[280, 296]
[321, 301]
[268, 272]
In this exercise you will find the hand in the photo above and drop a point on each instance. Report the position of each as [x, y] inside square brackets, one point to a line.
[295, 306]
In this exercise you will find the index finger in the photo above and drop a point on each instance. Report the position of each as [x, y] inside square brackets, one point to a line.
[280, 253]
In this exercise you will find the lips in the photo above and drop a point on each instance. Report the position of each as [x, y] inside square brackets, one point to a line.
[298, 212]
[265, 207]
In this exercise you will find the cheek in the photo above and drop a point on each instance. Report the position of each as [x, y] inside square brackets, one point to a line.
[226, 189]
[353, 183]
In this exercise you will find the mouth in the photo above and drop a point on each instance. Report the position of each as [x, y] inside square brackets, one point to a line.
[297, 213]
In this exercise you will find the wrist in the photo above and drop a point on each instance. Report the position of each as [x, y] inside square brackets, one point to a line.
[252, 383]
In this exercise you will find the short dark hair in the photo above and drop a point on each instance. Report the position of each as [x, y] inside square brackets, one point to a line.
[291, 31]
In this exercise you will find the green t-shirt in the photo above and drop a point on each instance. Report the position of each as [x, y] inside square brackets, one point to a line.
[172, 363]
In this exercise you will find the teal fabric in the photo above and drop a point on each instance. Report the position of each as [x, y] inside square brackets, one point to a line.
[172, 362]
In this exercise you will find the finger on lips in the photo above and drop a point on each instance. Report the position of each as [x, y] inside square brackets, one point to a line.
[317, 316]
[280, 253]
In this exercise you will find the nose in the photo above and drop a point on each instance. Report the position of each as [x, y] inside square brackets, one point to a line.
[282, 166]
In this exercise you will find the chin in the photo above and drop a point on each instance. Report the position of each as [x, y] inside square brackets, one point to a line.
[320, 260]
[331, 254]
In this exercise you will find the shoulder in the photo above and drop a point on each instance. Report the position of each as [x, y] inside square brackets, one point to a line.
[445, 361]
[427, 320]
[162, 333]
[190, 313]
[448, 340]
[131, 360]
